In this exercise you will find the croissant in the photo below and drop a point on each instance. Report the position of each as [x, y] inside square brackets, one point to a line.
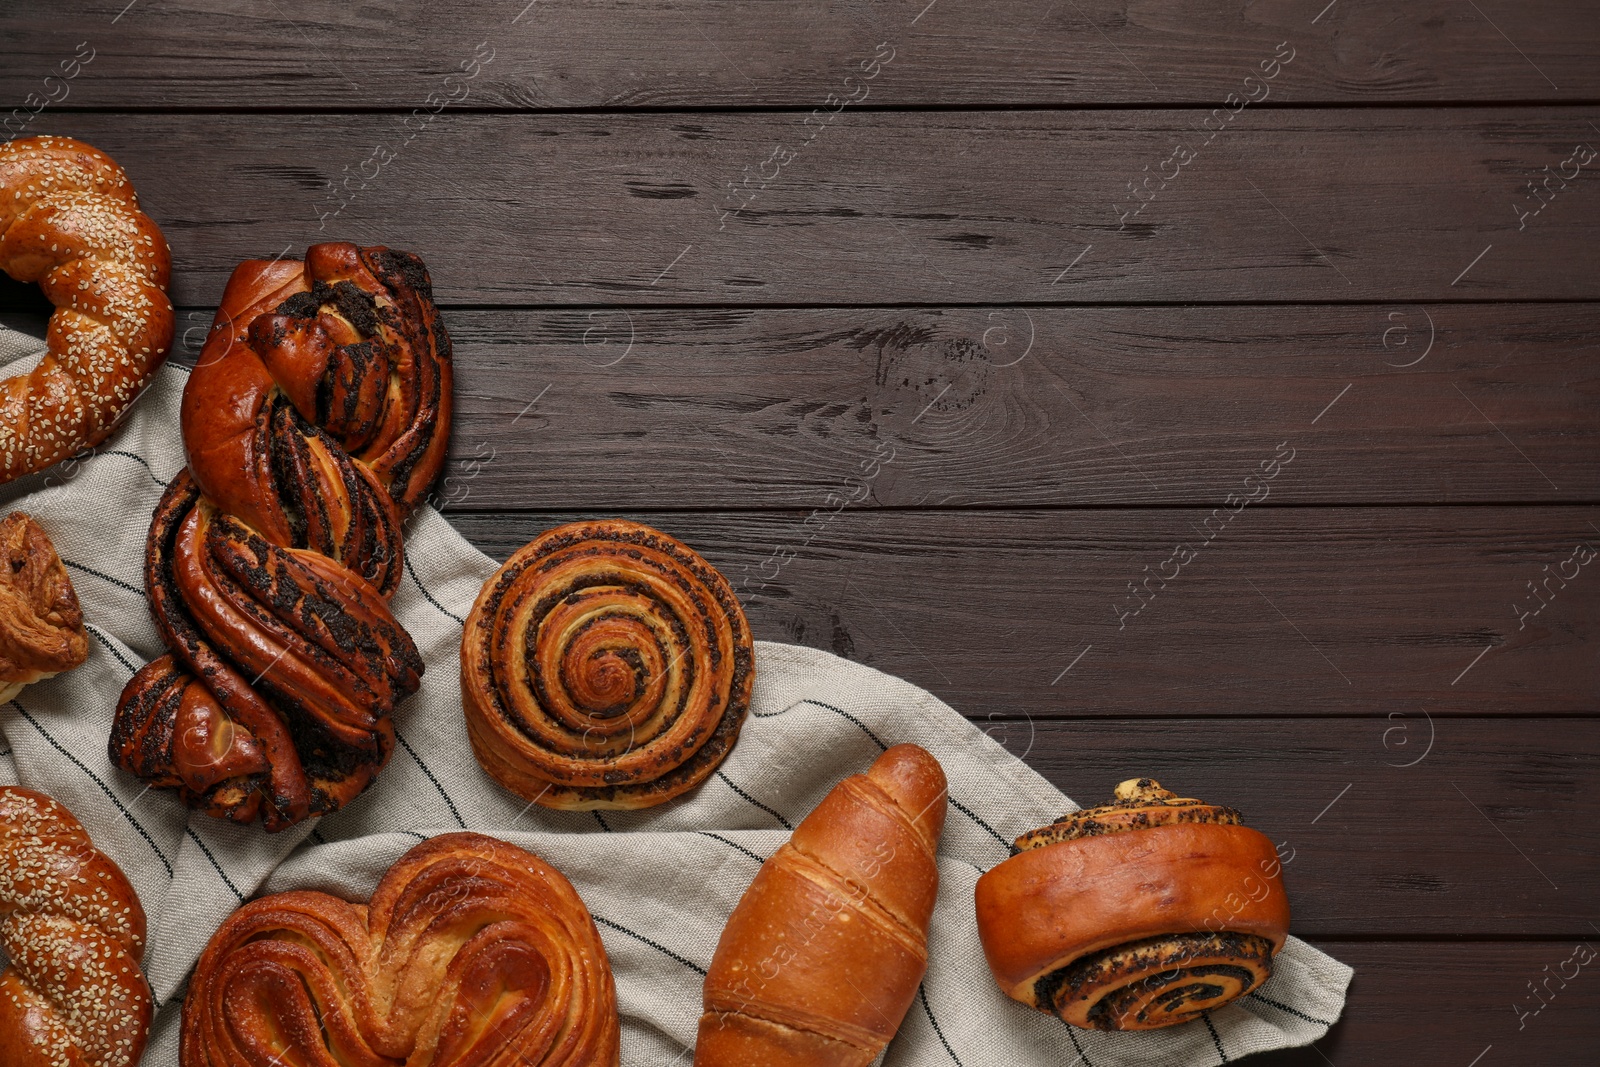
[821, 959]
[606, 665]
[70, 220]
[41, 624]
[315, 420]
[74, 931]
[1140, 914]
[472, 953]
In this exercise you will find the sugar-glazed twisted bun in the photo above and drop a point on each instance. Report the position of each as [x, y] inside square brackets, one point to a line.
[69, 220]
[1136, 915]
[823, 955]
[314, 422]
[74, 931]
[472, 953]
[606, 665]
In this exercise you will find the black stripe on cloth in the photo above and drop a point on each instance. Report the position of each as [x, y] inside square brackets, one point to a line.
[730, 844]
[412, 571]
[1284, 1007]
[103, 577]
[316, 835]
[7, 752]
[969, 813]
[413, 833]
[601, 821]
[1082, 1055]
[220, 872]
[94, 631]
[640, 937]
[922, 991]
[786, 824]
[403, 743]
[1216, 1038]
[103, 787]
[837, 711]
[138, 459]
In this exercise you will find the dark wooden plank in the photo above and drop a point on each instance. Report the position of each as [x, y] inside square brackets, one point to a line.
[1284, 611]
[886, 207]
[1391, 827]
[1010, 407]
[694, 53]
[1447, 1005]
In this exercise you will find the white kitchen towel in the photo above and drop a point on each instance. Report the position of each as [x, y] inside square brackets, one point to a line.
[660, 883]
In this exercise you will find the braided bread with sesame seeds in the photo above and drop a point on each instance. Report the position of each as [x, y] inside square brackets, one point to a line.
[70, 220]
[73, 995]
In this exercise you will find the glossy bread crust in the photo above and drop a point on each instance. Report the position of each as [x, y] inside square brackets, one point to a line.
[471, 953]
[606, 665]
[74, 930]
[1137, 915]
[314, 422]
[41, 623]
[70, 221]
[823, 955]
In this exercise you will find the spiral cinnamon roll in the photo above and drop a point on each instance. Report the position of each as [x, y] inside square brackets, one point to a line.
[606, 665]
[472, 953]
[1140, 914]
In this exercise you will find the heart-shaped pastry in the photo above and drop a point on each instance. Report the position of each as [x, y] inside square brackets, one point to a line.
[472, 953]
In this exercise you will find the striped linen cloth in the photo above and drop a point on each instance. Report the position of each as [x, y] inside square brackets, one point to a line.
[660, 883]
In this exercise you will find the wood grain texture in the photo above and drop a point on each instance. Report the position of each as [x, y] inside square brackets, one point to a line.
[887, 207]
[1284, 612]
[698, 53]
[1445, 1004]
[1357, 806]
[1019, 407]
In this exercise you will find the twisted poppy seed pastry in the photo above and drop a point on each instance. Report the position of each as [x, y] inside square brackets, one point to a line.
[821, 959]
[472, 953]
[70, 220]
[315, 420]
[41, 624]
[606, 665]
[1140, 914]
[73, 929]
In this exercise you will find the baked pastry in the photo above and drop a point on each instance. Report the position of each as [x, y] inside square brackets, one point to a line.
[1140, 914]
[73, 929]
[70, 220]
[41, 624]
[315, 420]
[471, 953]
[823, 955]
[606, 665]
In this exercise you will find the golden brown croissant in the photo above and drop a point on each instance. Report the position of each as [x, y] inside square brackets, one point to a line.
[70, 220]
[74, 931]
[472, 953]
[821, 959]
[41, 624]
[1140, 914]
[606, 665]
[314, 421]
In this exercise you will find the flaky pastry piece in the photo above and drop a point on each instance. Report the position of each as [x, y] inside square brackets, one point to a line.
[41, 624]
[1139, 914]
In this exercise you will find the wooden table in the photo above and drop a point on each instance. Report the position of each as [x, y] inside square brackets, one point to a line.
[1205, 391]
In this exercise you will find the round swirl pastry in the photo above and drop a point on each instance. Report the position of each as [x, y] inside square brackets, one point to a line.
[1140, 914]
[472, 953]
[606, 665]
[74, 931]
[315, 420]
[70, 220]
[41, 624]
